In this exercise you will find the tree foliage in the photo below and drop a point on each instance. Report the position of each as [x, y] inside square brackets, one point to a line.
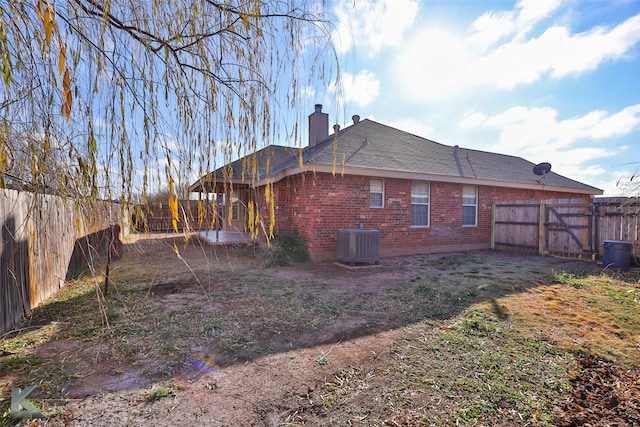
[630, 185]
[115, 98]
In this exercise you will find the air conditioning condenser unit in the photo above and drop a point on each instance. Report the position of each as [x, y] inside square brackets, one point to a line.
[357, 245]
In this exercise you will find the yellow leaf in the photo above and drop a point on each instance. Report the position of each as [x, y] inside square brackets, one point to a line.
[39, 9]
[245, 21]
[63, 59]
[68, 101]
[66, 94]
[66, 81]
[174, 216]
[48, 23]
[173, 206]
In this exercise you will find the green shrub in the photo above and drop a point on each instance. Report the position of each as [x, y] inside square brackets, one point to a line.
[288, 249]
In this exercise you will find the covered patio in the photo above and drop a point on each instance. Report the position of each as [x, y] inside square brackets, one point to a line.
[223, 237]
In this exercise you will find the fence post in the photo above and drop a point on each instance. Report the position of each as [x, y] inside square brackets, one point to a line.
[114, 253]
[493, 227]
[542, 242]
[595, 230]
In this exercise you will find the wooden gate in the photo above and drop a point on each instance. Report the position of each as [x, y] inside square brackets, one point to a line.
[516, 227]
[562, 227]
[572, 228]
[568, 230]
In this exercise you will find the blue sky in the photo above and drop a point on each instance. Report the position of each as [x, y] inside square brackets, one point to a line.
[547, 80]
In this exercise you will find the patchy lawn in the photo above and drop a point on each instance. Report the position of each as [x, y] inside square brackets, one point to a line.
[206, 335]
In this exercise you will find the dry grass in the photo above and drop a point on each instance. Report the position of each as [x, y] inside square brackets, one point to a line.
[595, 314]
[505, 361]
[482, 336]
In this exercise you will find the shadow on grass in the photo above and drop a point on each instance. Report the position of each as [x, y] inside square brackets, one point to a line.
[217, 304]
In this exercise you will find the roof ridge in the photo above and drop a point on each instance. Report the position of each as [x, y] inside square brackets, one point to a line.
[371, 145]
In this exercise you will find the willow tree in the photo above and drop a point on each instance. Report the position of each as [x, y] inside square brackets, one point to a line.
[109, 98]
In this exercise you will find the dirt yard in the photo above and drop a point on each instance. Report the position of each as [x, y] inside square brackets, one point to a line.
[192, 334]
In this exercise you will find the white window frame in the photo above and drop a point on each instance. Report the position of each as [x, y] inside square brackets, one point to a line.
[421, 199]
[467, 203]
[235, 206]
[376, 191]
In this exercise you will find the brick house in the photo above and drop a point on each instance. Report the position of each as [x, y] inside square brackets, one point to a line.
[421, 195]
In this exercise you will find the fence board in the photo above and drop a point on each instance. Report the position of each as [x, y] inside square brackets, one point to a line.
[619, 219]
[568, 227]
[45, 241]
[516, 226]
[193, 215]
[619, 222]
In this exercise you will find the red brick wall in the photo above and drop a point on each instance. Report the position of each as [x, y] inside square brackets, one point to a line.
[320, 204]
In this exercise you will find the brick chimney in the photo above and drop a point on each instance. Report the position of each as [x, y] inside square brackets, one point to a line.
[318, 126]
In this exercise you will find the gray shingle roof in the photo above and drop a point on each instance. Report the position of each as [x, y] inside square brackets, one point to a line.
[269, 161]
[369, 144]
[372, 145]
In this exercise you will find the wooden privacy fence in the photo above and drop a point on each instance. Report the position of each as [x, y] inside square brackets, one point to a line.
[193, 215]
[573, 228]
[46, 240]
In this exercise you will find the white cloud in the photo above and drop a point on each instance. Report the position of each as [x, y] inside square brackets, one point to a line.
[472, 119]
[524, 128]
[537, 134]
[587, 50]
[500, 53]
[413, 126]
[557, 52]
[493, 26]
[361, 89]
[533, 11]
[308, 92]
[601, 125]
[432, 64]
[372, 25]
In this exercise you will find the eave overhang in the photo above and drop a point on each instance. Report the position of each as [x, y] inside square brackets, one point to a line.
[381, 173]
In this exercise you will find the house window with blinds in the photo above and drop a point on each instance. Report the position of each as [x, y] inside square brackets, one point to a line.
[376, 193]
[419, 204]
[469, 206]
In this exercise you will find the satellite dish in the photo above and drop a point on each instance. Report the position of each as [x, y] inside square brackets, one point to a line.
[542, 169]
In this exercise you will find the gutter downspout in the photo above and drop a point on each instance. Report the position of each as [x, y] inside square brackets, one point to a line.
[457, 158]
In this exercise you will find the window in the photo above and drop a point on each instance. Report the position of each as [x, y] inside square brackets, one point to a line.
[235, 211]
[469, 206]
[235, 206]
[376, 193]
[419, 204]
